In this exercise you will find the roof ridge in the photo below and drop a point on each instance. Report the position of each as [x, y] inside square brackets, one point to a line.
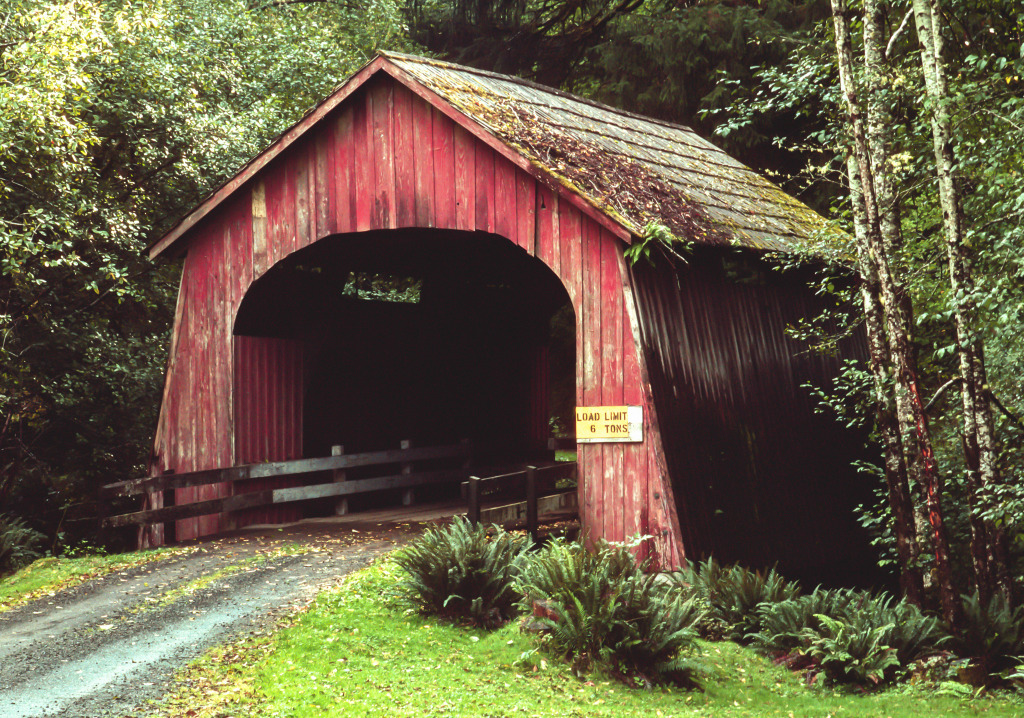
[515, 79]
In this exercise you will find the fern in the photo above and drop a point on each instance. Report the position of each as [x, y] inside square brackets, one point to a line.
[19, 545]
[992, 635]
[462, 573]
[609, 612]
[732, 595]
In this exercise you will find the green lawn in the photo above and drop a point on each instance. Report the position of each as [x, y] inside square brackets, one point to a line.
[360, 651]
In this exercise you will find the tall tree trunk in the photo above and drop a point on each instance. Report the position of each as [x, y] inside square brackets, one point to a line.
[908, 551]
[987, 544]
[914, 428]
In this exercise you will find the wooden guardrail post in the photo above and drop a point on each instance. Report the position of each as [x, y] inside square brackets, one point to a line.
[409, 495]
[531, 501]
[473, 497]
[341, 507]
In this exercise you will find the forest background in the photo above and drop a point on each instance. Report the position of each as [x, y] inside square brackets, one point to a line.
[118, 116]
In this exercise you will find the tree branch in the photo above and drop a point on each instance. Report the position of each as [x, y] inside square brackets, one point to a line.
[942, 390]
[899, 31]
[1009, 414]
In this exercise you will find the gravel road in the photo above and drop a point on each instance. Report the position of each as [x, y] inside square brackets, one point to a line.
[109, 646]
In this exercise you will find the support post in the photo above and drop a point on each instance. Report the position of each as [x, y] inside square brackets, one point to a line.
[341, 507]
[531, 501]
[409, 495]
[473, 514]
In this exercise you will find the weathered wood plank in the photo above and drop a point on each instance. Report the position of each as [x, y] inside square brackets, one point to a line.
[362, 151]
[344, 171]
[284, 468]
[484, 188]
[505, 199]
[526, 214]
[612, 393]
[591, 460]
[423, 138]
[382, 118]
[444, 171]
[465, 178]
[405, 167]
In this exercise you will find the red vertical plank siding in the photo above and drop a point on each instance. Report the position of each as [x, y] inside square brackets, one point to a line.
[443, 150]
[343, 196]
[634, 474]
[611, 379]
[484, 188]
[405, 168]
[381, 116]
[362, 152]
[593, 454]
[526, 216]
[423, 158]
[505, 222]
[383, 159]
[465, 179]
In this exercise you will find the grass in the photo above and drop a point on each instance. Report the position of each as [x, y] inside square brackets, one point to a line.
[360, 651]
[46, 576]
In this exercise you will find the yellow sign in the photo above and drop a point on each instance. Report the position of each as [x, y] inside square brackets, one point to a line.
[609, 423]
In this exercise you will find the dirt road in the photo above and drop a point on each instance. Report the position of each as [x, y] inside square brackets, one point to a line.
[106, 648]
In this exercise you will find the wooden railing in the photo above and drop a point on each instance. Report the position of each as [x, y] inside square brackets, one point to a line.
[403, 458]
[534, 491]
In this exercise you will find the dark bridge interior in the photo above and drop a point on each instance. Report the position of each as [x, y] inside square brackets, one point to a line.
[418, 335]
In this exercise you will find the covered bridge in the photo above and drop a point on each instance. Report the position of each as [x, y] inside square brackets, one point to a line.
[409, 262]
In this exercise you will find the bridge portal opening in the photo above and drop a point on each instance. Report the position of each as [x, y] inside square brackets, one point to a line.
[421, 336]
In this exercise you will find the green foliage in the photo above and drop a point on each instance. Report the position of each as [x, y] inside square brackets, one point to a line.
[460, 572]
[19, 544]
[606, 610]
[992, 636]
[850, 636]
[733, 595]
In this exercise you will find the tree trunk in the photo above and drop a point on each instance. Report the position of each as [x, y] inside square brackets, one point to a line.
[987, 545]
[914, 427]
[908, 550]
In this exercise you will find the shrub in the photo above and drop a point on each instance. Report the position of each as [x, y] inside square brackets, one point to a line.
[851, 636]
[19, 545]
[601, 608]
[732, 595]
[992, 636]
[462, 573]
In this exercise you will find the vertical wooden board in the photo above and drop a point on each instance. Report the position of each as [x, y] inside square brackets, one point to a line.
[323, 152]
[611, 378]
[484, 188]
[405, 167]
[260, 262]
[547, 242]
[305, 195]
[344, 170]
[423, 137]
[294, 168]
[382, 119]
[275, 181]
[526, 202]
[505, 222]
[444, 170]
[362, 149]
[465, 178]
[570, 246]
[635, 462]
[591, 370]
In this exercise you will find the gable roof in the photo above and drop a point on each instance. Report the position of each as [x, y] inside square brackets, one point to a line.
[624, 169]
